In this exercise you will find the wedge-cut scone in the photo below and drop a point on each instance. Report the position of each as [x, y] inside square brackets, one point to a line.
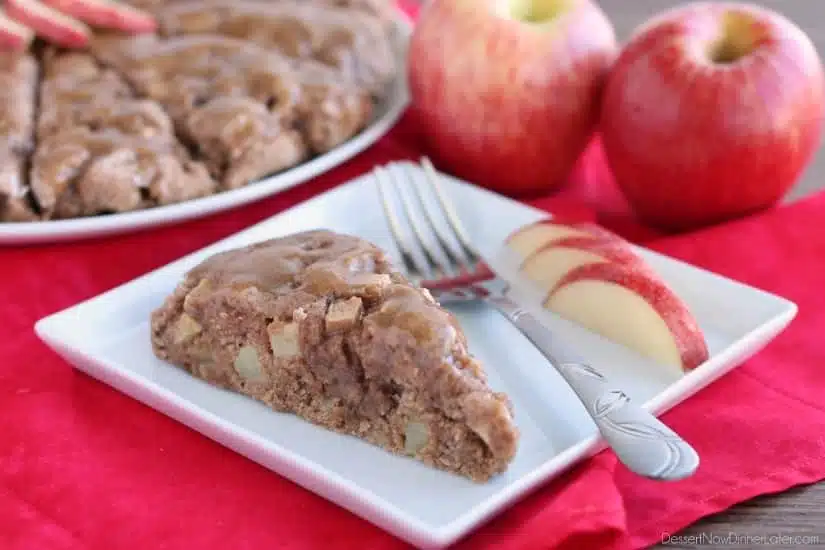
[355, 43]
[101, 149]
[18, 93]
[319, 324]
[248, 111]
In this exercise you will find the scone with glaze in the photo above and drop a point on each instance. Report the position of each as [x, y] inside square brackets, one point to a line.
[320, 325]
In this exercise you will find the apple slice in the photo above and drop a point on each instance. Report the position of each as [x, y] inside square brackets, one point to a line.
[530, 238]
[550, 264]
[106, 13]
[47, 22]
[628, 304]
[13, 35]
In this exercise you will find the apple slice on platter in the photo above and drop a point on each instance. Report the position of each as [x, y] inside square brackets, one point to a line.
[526, 240]
[112, 14]
[629, 305]
[66, 22]
[550, 264]
[49, 23]
[13, 35]
[594, 278]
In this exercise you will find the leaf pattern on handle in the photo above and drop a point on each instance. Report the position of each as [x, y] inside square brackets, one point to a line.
[643, 431]
[609, 402]
[581, 368]
[639, 439]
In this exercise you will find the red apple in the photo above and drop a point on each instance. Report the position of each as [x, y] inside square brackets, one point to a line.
[629, 305]
[712, 111]
[506, 92]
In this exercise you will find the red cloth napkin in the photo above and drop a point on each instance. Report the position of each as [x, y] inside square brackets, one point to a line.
[85, 467]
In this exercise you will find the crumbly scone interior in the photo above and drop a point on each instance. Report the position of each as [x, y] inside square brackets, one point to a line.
[347, 344]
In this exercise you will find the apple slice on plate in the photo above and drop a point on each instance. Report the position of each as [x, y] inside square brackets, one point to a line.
[550, 264]
[527, 240]
[628, 304]
[594, 278]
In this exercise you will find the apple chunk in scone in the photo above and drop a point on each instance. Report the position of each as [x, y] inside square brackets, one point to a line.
[595, 279]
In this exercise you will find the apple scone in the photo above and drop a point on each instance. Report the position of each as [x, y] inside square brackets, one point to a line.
[320, 325]
[248, 112]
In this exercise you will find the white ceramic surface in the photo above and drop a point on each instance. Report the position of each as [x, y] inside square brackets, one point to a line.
[108, 338]
[387, 114]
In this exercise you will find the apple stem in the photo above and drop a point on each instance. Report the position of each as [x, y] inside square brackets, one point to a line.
[738, 39]
[536, 11]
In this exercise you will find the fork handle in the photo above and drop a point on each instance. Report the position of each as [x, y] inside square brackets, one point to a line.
[639, 439]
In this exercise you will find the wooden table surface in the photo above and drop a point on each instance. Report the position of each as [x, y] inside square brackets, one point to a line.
[798, 515]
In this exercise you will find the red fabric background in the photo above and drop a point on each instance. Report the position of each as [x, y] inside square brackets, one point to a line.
[84, 467]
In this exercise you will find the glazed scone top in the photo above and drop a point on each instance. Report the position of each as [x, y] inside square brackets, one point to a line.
[352, 42]
[323, 264]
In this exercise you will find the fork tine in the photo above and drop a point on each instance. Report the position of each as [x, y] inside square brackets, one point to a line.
[450, 213]
[407, 256]
[436, 268]
[456, 261]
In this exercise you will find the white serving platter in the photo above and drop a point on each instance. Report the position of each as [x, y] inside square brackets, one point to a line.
[387, 114]
[108, 338]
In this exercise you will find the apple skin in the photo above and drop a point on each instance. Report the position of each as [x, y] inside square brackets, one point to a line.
[106, 13]
[66, 22]
[526, 240]
[548, 265]
[692, 142]
[49, 23]
[506, 104]
[690, 346]
[13, 35]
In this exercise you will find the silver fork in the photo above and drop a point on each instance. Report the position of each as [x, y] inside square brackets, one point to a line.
[642, 442]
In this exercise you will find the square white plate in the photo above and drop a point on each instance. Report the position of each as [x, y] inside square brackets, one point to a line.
[108, 338]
